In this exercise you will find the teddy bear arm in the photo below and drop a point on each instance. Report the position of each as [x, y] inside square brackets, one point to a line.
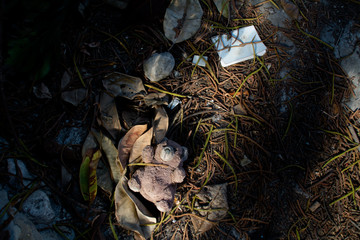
[178, 175]
[148, 154]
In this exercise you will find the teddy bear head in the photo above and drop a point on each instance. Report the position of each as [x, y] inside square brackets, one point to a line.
[169, 153]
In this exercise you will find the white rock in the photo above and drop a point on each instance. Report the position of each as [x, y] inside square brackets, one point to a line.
[159, 66]
[38, 208]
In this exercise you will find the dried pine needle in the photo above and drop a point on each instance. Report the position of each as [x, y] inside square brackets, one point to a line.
[231, 168]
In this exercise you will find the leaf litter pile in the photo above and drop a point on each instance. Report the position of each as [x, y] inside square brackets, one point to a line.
[272, 152]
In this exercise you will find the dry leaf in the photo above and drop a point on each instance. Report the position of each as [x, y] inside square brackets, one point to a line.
[122, 85]
[215, 207]
[75, 97]
[155, 99]
[239, 109]
[143, 141]
[65, 80]
[290, 9]
[127, 142]
[87, 175]
[223, 7]
[111, 154]
[42, 91]
[130, 213]
[182, 20]
[109, 117]
[104, 178]
[161, 124]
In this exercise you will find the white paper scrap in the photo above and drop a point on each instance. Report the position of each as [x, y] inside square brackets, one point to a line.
[200, 62]
[239, 47]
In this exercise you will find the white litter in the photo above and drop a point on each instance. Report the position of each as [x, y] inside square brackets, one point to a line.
[242, 45]
[199, 61]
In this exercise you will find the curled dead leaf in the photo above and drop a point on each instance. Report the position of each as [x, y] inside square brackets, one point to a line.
[161, 124]
[127, 142]
[109, 117]
[130, 213]
[111, 154]
[155, 99]
[143, 141]
[122, 85]
[182, 20]
[215, 206]
[290, 9]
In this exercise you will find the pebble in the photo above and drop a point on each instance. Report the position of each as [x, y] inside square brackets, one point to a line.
[159, 66]
[38, 208]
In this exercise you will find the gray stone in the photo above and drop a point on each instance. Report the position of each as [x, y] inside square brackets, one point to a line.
[23, 228]
[38, 208]
[159, 66]
[351, 66]
[3, 201]
[277, 17]
[50, 234]
[12, 169]
[283, 40]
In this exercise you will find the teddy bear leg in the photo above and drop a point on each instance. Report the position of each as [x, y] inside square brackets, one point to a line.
[163, 205]
[134, 184]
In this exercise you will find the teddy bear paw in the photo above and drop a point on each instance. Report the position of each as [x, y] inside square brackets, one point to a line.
[163, 206]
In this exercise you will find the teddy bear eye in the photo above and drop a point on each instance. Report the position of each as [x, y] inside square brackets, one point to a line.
[167, 153]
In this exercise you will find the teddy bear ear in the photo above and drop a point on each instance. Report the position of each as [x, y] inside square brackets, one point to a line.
[185, 154]
[167, 153]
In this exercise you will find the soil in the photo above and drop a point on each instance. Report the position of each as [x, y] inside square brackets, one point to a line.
[289, 120]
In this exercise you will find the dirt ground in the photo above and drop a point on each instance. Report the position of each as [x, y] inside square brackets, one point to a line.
[289, 141]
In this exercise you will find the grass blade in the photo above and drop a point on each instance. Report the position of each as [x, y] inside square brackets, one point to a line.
[166, 92]
[205, 145]
[340, 155]
[231, 168]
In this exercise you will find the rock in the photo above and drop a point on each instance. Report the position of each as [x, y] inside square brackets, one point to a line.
[23, 228]
[276, 16]
[3, 201]
[38, 208]
[351, 67]
[13, 166]
[50, 234]
[71, 136]
[159, 66]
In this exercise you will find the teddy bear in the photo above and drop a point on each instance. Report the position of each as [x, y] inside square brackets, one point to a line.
[157, 181]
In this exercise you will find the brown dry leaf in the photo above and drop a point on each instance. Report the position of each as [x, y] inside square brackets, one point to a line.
[130, 213]
[127, 142]
[182, 20]
[42, 91]
[143, 141]
[109, 117]
[161, 124]
[111, 154]
[214, 202]
[239, 109]
[122, 85]
[291, 9]
[104, 180]
[75, 97]
[90, 143]
[155, 99]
